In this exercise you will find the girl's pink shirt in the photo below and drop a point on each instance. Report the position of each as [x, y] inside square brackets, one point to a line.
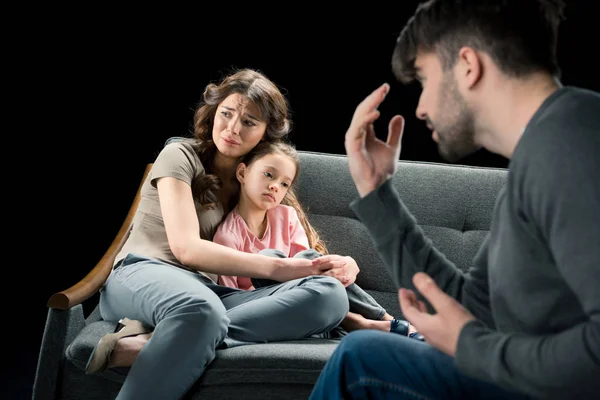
[284, 232]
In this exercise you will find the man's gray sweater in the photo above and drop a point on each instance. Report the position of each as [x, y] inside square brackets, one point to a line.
[534, 286]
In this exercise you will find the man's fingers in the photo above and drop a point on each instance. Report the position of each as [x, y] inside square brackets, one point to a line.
[421, 306]
[366, 112]
[359, 127]
[428, 288]
[372, 101]
[371, 117]
[410, 308]
[365, 115]
[395, 131]
[411, 296]
[370, 131]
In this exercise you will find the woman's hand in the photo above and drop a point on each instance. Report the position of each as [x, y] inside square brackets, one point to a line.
[342, 268]
[287, 269]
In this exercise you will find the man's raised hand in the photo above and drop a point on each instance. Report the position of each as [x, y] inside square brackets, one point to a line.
[371, 160]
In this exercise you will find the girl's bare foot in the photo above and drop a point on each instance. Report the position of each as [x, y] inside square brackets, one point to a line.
[127, 349]
[354, 321]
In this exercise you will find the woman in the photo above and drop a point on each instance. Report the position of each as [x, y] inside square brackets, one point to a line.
[165, 277]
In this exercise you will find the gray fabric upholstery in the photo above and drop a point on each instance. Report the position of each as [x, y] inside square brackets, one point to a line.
[452, 203]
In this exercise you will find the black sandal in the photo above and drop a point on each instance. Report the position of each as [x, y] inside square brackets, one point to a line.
[401, 327]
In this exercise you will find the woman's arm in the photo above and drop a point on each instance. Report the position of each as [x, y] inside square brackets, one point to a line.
[182, 228]
[341, 268]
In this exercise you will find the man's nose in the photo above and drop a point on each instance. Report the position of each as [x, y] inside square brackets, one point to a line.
[421, 112]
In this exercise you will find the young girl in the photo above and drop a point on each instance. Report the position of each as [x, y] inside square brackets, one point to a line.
[269, 220]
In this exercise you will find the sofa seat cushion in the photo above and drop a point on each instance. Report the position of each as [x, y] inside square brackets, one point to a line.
[277, 362]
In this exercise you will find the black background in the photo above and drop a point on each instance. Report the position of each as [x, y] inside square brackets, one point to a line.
[98, 91]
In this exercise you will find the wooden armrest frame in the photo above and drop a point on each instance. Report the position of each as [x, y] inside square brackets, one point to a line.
[93, 281]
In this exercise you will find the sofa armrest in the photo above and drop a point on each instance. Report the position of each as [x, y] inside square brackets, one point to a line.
[93, 281]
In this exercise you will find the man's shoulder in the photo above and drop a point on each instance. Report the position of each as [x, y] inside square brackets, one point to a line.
[558, 149]
[580, 92]
[564, 125]
[569, 105]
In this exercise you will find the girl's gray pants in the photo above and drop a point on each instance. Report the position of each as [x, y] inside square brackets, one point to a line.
[360, 302]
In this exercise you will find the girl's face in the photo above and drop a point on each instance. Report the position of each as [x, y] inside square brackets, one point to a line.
[266, 181]
[237, 127]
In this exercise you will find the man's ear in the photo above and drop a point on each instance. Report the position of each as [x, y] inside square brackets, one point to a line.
[469, 67]
[240, 172]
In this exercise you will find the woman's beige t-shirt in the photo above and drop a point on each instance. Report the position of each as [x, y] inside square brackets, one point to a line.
[148, 236]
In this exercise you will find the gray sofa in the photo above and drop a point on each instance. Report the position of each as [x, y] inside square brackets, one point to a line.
[452, 203]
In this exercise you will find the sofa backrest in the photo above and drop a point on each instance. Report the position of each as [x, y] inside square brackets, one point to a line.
[452, 203]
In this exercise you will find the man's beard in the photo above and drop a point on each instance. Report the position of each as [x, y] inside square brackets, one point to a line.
[455, 124]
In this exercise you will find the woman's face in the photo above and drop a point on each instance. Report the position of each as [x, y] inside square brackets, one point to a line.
[238, 126]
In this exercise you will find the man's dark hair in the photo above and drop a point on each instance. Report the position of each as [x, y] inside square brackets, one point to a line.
[519, 35]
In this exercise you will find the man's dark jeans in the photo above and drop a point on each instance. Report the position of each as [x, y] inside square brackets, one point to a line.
[370, 364]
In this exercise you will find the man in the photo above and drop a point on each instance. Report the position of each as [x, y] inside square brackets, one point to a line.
[524, 322]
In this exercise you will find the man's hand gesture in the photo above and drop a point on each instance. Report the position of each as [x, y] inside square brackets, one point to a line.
[441, 329]
[371, 160]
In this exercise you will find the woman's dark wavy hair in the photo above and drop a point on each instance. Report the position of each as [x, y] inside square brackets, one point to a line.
[261, 91]
[519, 35]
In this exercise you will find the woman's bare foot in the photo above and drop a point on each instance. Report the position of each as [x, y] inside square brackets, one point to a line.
[127, 349]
